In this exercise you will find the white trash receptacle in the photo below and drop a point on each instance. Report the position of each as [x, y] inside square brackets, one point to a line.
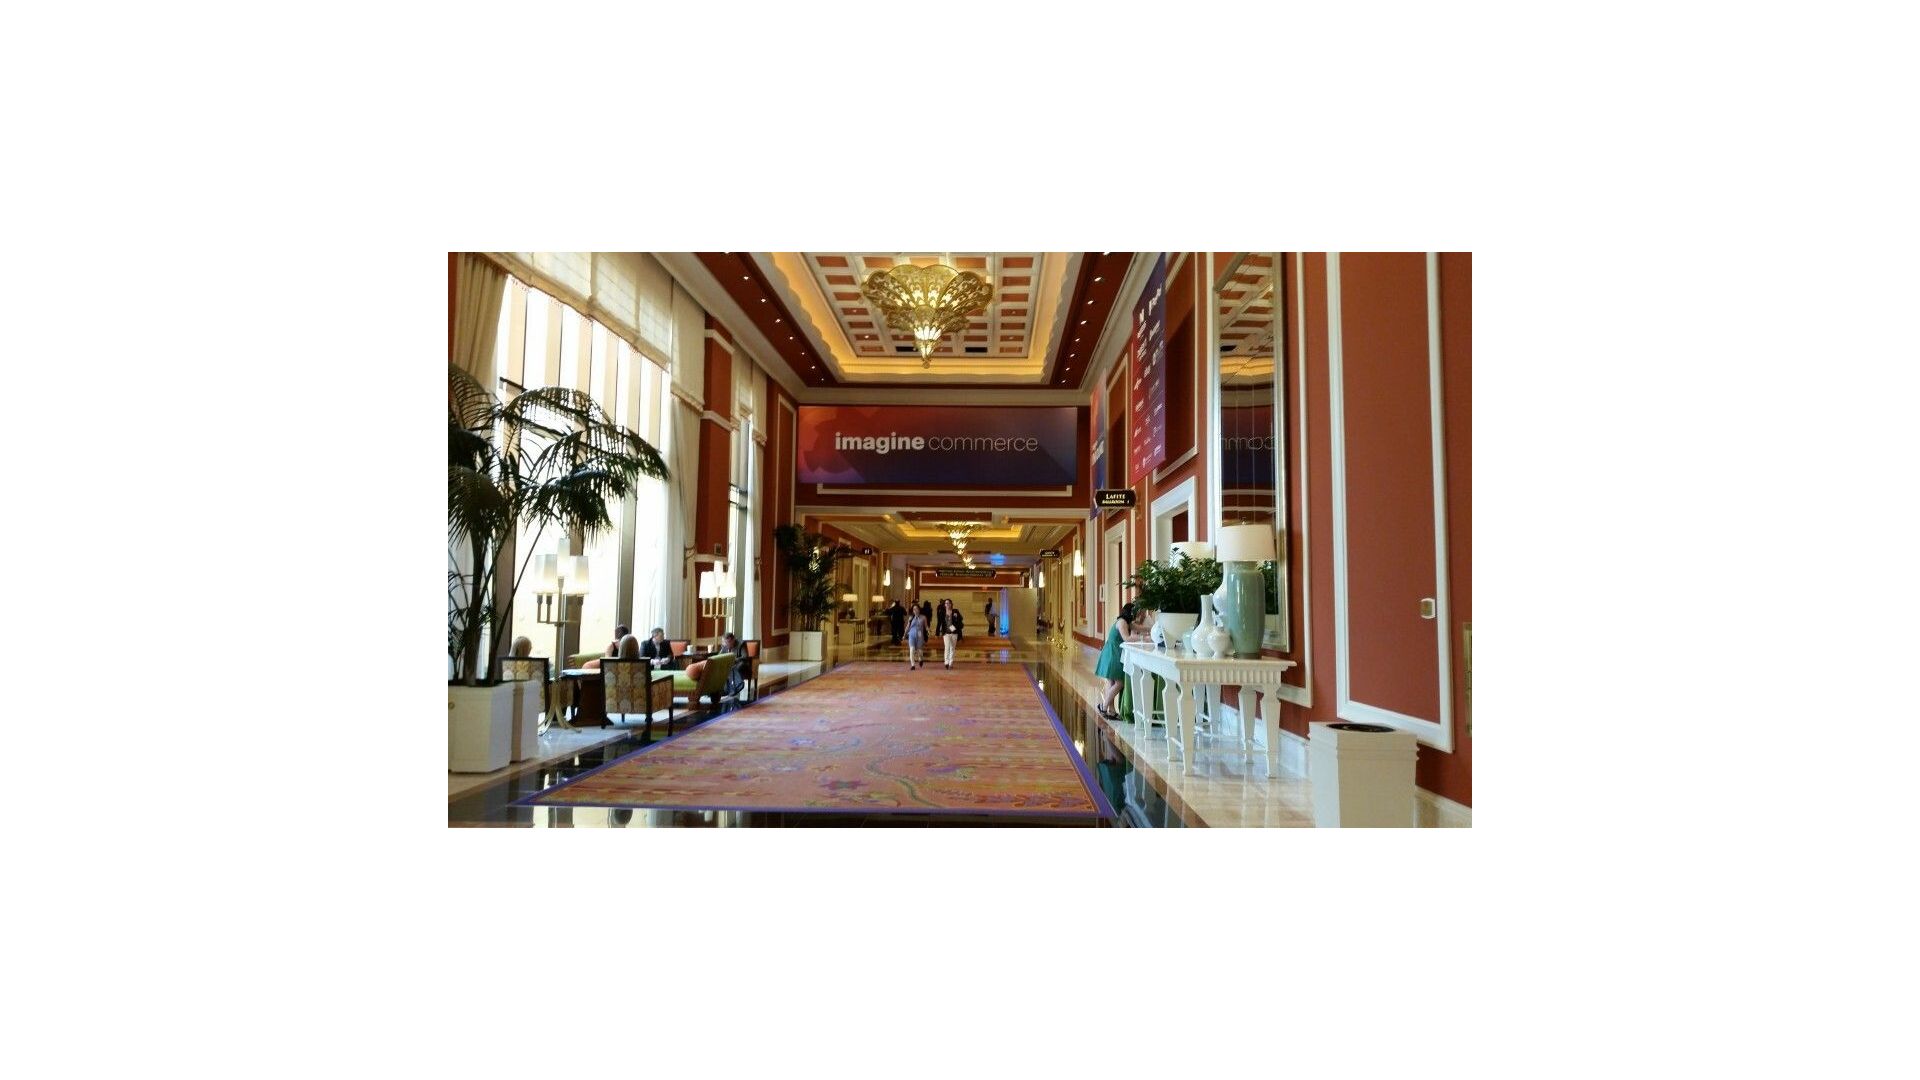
[1362, 776]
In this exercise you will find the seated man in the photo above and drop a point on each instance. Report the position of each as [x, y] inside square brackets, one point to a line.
[737, 679]
[656, 648]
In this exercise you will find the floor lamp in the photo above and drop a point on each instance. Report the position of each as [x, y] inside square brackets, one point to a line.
[716, 596]
[558, 577]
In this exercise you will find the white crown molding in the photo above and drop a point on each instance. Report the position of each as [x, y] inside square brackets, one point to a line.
[1110, 346]
[1055, 343]
[715, 418]
[718, 338]
[700, 284]
[686, 398]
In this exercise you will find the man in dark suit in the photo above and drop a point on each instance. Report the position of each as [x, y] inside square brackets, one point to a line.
[897, 618]
[656, 649]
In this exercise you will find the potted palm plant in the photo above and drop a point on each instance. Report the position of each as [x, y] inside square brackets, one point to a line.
[548, 458]
[810, 559]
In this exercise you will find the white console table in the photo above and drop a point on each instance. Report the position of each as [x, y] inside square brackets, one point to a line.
[1187, 674]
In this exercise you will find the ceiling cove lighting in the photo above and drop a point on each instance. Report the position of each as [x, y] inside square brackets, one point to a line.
[928, 302]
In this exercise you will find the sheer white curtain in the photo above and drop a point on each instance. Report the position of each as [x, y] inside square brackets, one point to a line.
[683, 442]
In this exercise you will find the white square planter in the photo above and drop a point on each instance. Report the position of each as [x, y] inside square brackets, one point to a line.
[1362, 776]
[527, 702]
[480, 727]
[804, 645]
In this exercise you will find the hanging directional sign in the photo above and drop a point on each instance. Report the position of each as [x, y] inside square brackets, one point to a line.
[1050, 553]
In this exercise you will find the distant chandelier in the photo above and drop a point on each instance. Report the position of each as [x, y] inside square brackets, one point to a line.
[927, 301]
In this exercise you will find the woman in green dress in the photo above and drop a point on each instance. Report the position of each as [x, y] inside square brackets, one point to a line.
[1128, 627]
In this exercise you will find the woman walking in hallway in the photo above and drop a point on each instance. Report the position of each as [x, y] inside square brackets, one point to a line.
[950, 625]
[1109, 667]
[916, 638]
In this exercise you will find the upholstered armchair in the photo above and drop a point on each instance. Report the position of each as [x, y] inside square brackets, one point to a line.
[634, 687]
[530, 668]
[708, 682]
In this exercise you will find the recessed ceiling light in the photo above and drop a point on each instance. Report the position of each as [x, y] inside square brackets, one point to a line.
[1096, 281]
[1089, 303]
[1083, 322]
[763, 299]
[743, 277]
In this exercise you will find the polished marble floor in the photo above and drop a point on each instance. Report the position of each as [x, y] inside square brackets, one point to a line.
[1132, 766]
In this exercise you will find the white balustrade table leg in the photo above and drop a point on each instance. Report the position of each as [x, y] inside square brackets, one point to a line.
[1270, 718]
[1187, 725]
[1249, 708]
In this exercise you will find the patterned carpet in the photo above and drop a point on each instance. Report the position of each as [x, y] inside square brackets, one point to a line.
[866, 737]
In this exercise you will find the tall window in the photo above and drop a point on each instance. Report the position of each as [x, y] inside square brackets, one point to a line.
[543, 342]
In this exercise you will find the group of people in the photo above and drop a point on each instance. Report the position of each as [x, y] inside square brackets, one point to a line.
[659, 652]
[913, 624]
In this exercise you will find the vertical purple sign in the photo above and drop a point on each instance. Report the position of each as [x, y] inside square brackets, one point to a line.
[1147, 434]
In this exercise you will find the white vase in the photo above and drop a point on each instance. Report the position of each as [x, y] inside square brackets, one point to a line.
[1197, 637]
[1219, 640]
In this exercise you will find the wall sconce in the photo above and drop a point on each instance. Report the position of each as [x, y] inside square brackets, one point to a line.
[1079, 568]
[1043, 578]
[886, 578]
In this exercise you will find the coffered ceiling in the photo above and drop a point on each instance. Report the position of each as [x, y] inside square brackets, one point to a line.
[1245, 306]
[1016, 538]
[1048, 313]
[1002, 329]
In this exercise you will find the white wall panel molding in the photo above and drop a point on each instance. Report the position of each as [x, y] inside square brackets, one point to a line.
[1436, 731]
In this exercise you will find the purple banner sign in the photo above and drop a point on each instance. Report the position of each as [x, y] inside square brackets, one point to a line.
[922, 445]
[1147, 351]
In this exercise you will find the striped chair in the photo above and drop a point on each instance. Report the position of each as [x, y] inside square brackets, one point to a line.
[528, 668]
[634, 687]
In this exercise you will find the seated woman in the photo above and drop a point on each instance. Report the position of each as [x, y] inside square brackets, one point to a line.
[627, 648]
[522, 646]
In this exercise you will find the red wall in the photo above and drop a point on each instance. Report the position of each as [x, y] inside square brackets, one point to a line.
[1383, 297]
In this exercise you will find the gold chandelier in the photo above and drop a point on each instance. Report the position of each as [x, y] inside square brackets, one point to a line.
[928, 302]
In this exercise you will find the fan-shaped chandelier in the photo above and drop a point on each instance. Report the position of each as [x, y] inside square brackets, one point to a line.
[928, 302]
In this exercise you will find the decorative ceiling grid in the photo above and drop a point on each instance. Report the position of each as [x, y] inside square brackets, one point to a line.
[1246, 301]
[1004, 328]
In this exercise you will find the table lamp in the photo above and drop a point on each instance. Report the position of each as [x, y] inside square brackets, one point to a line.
[1244, 588]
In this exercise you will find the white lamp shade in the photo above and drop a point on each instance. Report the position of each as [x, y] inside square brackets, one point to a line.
[848, 597]
[707, 585]
[1246, 543]
[724, 583]
[545, 572]
[574, 569]
[879, 599]
[1194, 549]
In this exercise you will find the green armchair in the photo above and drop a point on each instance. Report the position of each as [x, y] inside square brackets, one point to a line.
[711, 684]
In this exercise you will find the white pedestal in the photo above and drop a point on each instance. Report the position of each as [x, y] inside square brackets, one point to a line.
[1362, 779]
[479, 727]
